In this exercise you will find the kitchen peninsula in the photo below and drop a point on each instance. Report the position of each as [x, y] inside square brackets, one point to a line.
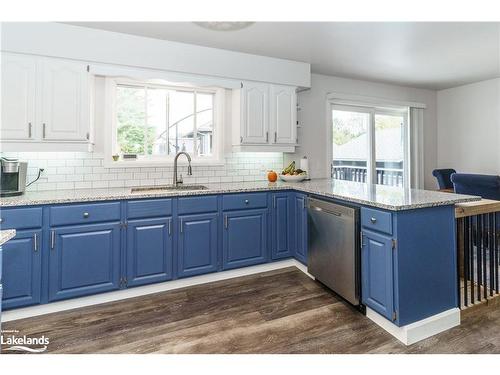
[108, 240]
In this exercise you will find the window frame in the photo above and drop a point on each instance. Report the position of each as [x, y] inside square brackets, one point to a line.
[110, 129]
[372, 111]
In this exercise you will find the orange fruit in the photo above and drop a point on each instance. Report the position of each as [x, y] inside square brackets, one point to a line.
[272, 176]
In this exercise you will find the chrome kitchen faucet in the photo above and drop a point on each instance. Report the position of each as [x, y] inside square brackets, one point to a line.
[190, 171]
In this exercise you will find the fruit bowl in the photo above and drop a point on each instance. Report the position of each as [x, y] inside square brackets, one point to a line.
[293, 178]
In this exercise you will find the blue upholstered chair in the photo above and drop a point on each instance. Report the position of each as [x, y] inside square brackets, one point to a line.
[486, 186]
[443, 178]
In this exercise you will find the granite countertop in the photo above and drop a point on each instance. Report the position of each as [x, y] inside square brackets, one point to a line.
[6, 235]
[385, 197]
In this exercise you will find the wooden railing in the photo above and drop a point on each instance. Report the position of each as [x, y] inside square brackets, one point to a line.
[478, 250]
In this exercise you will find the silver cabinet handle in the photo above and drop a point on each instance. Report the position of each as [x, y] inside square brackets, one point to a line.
[1, 220]
[275, 137]
[362, 238]
[267, 136]
[29, 129]
[373, 220]
[169, 227]
[52, 239]
[304, 203]
[274, 201]
[35, 242]
[86, 215]
[180, 225]
[226, 224]
[247, 201]
[43, 130]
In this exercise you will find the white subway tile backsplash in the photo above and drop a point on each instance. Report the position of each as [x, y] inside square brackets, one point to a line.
[92, 162]
[53, 162]
[83, 185]
[65, 185]
[100, 184]
[117, 183]
[65, 170]
[80, 170]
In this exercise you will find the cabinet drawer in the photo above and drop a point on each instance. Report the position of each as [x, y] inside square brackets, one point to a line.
[242, 201]
[193, 205]
[21, 218]
[376, 220]
[149, 208]
[84, 213]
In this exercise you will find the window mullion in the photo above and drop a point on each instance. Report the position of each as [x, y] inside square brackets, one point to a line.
[195, 128]
[371, 160]
[167, 120]
[145, 121]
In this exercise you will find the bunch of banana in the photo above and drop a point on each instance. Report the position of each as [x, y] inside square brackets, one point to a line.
[290, 169]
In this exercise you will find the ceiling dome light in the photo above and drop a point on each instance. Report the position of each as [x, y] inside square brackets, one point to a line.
[224, 26]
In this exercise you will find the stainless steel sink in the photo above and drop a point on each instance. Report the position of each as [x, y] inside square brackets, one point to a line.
[166, 188]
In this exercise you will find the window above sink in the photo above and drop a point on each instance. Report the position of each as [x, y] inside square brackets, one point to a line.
[153, 121]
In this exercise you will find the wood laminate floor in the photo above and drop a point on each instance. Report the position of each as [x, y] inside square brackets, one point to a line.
[281, 311]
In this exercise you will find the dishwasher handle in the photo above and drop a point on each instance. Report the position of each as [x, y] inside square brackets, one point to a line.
[319, 209]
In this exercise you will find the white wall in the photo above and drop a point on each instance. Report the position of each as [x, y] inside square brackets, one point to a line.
[469, 127]
[312, 117]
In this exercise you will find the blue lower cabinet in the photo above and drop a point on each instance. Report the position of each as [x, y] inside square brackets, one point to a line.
[245, 238]
[197, 245]
[282, 226]
[84, 259]
[300, 227]
[377, 273]
[149, 251]
[21, 272]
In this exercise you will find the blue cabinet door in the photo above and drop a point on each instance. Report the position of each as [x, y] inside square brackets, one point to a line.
[197, 247]
[300, 231]
[84, 259]
[282, 226]
[245, 238]
[149, 251]
[377, 285]
[21, 274]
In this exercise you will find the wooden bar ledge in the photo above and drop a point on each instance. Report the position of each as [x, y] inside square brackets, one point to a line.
[484, 206]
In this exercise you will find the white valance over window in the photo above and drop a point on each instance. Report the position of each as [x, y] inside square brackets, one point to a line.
[163, 77]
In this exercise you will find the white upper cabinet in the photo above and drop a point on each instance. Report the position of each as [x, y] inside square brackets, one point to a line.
[45, 101]
[18, 97]
[65, 100]
[255, 113]
[264, 117]
[284, 114]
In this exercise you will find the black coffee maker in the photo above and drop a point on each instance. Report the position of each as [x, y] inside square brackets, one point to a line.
[12, 177]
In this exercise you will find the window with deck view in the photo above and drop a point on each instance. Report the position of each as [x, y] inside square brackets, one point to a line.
[370, 145]
[155, 121]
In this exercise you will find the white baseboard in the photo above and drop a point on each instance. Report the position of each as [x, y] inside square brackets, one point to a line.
[48, 308]
[420, 330]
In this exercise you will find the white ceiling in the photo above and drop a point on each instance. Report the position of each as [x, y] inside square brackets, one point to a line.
[427, 55]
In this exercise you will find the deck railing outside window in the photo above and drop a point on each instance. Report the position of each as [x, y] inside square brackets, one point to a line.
[385, 176]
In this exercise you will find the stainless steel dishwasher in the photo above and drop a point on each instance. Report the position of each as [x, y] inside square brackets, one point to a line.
[334, 247]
